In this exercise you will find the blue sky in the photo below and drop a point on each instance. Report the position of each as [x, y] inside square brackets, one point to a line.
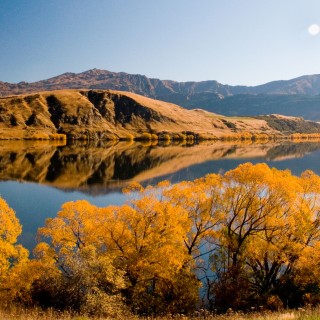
[234, 42]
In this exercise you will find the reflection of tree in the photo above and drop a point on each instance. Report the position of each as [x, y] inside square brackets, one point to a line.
[102, 166]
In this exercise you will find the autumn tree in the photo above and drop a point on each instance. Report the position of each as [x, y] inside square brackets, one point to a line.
[201, 200]
[274, 256]
[85, 277]
[12, 255]
[147, 235]
[302, 245]
[258, 228]
[271, 220]
[248, 201]
[141, 242]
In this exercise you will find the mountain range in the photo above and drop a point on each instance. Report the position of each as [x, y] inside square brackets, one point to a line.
[296, 97]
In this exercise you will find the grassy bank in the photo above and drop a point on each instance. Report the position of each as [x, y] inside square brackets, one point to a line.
[37, 314]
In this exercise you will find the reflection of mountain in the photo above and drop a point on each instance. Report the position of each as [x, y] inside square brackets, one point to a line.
[292, 150]
[99, 168]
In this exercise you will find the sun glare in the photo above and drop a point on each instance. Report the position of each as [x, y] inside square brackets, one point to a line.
[314, 29]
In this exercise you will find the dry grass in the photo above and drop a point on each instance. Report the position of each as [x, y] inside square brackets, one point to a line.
[29, 117]
[57, 136]
[31, 112]
[37, 314]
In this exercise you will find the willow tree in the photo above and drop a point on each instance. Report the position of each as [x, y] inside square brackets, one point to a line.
[84, 278]
[141, 242]
[147, 236]
[12, 255]
[271, 222]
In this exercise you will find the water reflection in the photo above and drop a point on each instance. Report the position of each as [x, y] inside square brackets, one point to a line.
[99, 168]
[34, 177]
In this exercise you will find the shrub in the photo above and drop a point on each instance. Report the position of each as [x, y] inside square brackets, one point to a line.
[274, 303]
[57, 136]
[40, 136]
[229, 124]
[145, 137]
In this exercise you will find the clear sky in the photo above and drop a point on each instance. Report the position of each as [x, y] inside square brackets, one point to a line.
[232, 41]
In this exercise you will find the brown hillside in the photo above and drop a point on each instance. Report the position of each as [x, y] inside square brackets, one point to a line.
[297, 97]
[98, 114]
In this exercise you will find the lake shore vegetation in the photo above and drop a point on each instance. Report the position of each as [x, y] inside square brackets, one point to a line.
[241, 241]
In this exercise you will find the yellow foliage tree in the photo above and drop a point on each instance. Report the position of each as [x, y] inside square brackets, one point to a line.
[147, 236]
[271, 220]
[200, 200]
[88, 280]
[257, 227]
[12, 255]
[94, 248]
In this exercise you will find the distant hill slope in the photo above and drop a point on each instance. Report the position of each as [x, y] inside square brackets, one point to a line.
[299, 96]
[155, 88]
[108, 114]
[304, 106]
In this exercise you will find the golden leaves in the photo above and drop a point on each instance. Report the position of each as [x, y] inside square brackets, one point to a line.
[10, 228]
[256, 222]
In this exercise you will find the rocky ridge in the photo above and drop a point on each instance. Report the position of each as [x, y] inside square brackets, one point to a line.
[299, 96]
[156, 88]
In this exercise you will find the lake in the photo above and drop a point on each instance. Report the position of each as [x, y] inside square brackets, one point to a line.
[36, 178]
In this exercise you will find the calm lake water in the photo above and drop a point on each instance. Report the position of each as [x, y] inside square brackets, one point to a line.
[37, 178]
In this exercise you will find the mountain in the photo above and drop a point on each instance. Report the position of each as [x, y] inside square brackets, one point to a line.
[155, 88]
[296, 105]
[103, 79]
[299, 97]
[114, 115]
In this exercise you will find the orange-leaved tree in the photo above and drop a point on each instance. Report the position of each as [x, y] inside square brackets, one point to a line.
[137, 248]
[271, 222]
[147, 235]
[12, 255]
[85, 277]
